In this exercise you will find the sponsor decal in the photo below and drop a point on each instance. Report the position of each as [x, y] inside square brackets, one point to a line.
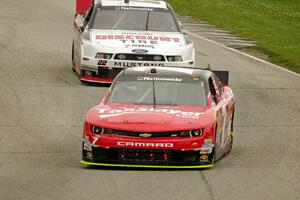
[89, 155]
[136, 33]
[168, 79]
[204, 157]
[149, 46]
[87, 145]
[208, 140]
[145, 144]
[140, 38]
[229, 98]
[205, 151]
[134, 8]
[140, 51]
[134, 64]
[207, 146]
[178, 113]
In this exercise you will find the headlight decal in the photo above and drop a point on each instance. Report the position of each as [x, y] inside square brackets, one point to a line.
[174, 58]
[97, 130]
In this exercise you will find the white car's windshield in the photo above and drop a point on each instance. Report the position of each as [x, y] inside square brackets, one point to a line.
[167, 91]
[115, 18]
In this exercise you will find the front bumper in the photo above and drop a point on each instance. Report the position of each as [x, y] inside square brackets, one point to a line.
[146, 166]
[145, 158]
[104, 71]
[101, 75]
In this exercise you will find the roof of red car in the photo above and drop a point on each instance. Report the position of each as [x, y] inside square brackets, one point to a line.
[168, 71]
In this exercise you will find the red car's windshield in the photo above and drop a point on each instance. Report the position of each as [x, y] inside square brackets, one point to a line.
[164, 93]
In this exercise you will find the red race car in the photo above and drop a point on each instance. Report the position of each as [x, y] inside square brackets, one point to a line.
[162, 117]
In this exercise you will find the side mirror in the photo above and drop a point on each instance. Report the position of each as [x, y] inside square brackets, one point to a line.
[79, 21]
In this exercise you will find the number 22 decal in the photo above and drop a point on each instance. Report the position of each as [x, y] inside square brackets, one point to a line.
[102, 62]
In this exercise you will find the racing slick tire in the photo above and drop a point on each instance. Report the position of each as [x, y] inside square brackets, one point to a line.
[230, 145]
[212, 157]
[73, 64]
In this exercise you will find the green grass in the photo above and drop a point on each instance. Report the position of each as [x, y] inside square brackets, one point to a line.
[274, 24]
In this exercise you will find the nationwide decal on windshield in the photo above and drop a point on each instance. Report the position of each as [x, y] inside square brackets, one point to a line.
[149, 78]
[178, 113]
[134, 8]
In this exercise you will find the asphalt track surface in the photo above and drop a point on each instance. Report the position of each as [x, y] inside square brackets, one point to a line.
[43, 103]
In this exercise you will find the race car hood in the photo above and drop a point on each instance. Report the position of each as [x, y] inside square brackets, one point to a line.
[127, 41]
[144, 118]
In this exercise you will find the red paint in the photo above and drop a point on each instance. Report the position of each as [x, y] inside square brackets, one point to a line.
[160, 118]
[109, 141]
[98, 80]
[82, 6]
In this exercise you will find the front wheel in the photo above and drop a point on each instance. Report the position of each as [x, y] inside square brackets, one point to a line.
[73, 64]
[230, 144]
[212, 157]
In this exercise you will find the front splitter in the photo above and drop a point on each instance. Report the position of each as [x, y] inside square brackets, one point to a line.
[146, 166]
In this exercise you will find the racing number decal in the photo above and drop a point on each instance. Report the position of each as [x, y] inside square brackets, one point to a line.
[102, 62]
[95, 139]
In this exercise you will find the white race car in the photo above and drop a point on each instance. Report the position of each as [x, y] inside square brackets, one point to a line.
[111, 35]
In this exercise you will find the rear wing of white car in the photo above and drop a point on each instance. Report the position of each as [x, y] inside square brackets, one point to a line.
[82, 5]
[223, 76]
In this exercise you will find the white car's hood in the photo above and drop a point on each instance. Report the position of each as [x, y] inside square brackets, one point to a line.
[127, 41]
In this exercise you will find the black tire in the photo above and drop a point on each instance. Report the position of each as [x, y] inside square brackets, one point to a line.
[230, 145]
[73, 64]
[212, 157]
[232, 119]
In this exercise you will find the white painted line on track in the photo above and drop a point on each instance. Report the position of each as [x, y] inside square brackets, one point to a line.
[242, 53]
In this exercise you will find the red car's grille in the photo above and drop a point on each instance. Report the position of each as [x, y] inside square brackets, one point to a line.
[143, 155]
[140, 57]
[143, 134]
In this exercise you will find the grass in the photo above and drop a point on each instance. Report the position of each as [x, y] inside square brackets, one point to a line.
[274, 24]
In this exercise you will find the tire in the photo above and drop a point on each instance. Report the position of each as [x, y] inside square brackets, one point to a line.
[73, 64]
[212, 157]
[232, 119]
[230, 145]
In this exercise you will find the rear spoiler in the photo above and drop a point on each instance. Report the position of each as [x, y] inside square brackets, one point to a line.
[223, 76]
[82, 6]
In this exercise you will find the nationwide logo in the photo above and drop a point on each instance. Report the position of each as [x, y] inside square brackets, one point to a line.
[135, 8]
[168, 79]
[146, 144]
